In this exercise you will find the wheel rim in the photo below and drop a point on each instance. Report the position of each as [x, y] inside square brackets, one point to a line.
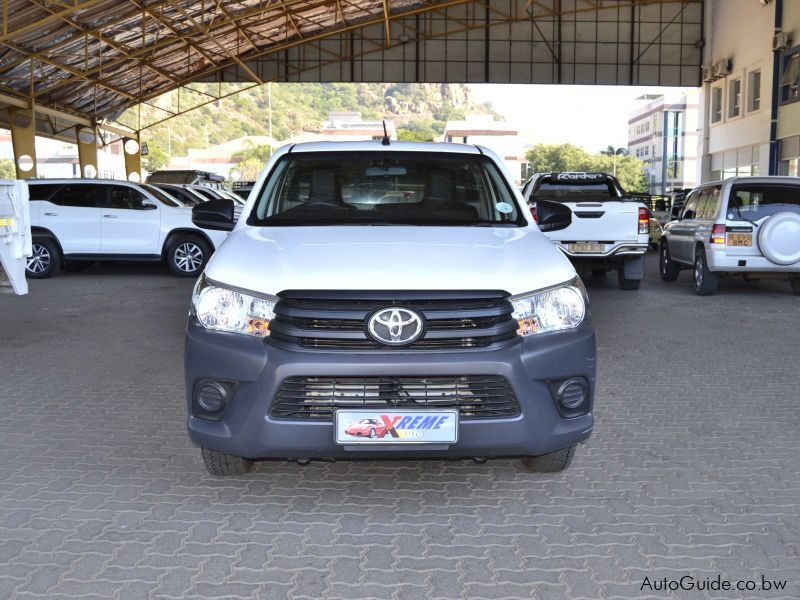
[39, 260]
[188, 257]
[372, 433]
[664, 259]
[698, 273]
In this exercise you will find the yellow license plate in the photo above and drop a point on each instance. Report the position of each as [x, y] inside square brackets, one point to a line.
[740, 240]
[586, 247]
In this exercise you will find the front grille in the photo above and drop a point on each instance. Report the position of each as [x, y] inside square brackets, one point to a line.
[336, 321]
[475, 396]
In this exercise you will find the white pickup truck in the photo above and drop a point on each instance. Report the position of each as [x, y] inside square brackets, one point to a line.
[608, 231]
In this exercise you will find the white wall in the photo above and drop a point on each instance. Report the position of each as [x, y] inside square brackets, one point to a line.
[789, 115]
[740, 30]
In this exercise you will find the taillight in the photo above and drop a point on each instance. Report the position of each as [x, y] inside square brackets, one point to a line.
[718, 234]
[534, 214]
[644, 221]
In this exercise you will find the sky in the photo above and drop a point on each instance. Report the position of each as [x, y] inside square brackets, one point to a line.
[592, 116]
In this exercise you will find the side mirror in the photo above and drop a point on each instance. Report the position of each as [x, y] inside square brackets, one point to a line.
[146, 205]
[553, 216]
[214, 214]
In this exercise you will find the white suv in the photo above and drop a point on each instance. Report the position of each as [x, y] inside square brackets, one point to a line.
[75, 222]
[741, 226]
[389, 300]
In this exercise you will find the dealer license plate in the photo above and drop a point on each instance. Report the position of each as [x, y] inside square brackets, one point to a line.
[740, 240]
[586, 247]
[386, 426]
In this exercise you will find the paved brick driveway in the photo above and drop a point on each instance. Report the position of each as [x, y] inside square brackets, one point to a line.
[694, 467]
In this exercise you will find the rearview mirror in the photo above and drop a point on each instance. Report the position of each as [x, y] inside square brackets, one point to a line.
[214, 214]
[553, 216]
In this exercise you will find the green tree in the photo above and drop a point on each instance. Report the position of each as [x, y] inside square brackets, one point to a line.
[250, 151]
[156, 158]
[418, 131]
[251, 160]
[551, 158]
[7, 170]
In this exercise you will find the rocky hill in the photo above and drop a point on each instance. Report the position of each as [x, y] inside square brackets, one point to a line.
[418, 110]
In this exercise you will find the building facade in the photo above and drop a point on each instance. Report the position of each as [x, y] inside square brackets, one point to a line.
[662, 133]
[499, 136]
[751, 89]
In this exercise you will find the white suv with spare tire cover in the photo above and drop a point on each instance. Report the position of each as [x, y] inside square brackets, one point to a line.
[75, 222]
[743, 225]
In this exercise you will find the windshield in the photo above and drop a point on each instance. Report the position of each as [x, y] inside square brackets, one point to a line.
[163, 196]
[205, 193]
[386, 188]
[561, 191]
[231, 196]
[758, 200]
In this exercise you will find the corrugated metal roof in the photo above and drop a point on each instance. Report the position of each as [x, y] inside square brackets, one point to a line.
[95, 58]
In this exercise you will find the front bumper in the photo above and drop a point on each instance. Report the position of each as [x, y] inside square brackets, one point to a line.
[258, 368]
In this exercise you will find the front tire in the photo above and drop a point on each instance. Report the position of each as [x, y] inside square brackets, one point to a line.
[220, 464]
[187, 255]
[45, 259]
[373, 434]
[704, 282]
[552, 462]
[667, 268]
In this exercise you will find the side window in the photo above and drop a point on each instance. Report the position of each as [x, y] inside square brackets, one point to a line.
[76, 196]
[712, 204]
[690, 210]
[42, 191]
[702, 205]
[124, 197]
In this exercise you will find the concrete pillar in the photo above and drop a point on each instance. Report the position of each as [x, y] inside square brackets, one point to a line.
[23, 140]
[87, 150]
[133, 158]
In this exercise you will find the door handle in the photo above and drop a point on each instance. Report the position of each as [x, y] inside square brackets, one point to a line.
[110, 216]
[49, 214]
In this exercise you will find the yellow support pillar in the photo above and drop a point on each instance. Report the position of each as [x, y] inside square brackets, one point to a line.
[133, 158]
[87, 150]
[23, 140]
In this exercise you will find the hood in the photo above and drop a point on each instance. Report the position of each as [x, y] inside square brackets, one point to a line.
[274, 259]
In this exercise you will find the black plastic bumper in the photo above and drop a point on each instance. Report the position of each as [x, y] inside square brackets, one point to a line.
[258, 368]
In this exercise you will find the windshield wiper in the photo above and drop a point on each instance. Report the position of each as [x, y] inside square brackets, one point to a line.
[739, 213]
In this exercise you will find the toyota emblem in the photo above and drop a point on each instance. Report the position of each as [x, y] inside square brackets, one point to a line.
[395, 326]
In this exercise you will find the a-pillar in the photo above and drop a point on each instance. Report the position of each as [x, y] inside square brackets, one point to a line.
[87, 150]
[133, 158]
[23, 140]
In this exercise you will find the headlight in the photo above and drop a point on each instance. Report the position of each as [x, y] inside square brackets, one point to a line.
[554, 309]
[226, 309]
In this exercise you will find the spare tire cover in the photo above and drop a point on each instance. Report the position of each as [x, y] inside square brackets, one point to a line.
[779, 238]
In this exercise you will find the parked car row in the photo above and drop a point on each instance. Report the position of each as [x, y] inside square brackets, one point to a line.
[742, 226]
[76, 222]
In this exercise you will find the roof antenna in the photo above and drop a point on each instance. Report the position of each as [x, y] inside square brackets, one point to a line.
[385, 140]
